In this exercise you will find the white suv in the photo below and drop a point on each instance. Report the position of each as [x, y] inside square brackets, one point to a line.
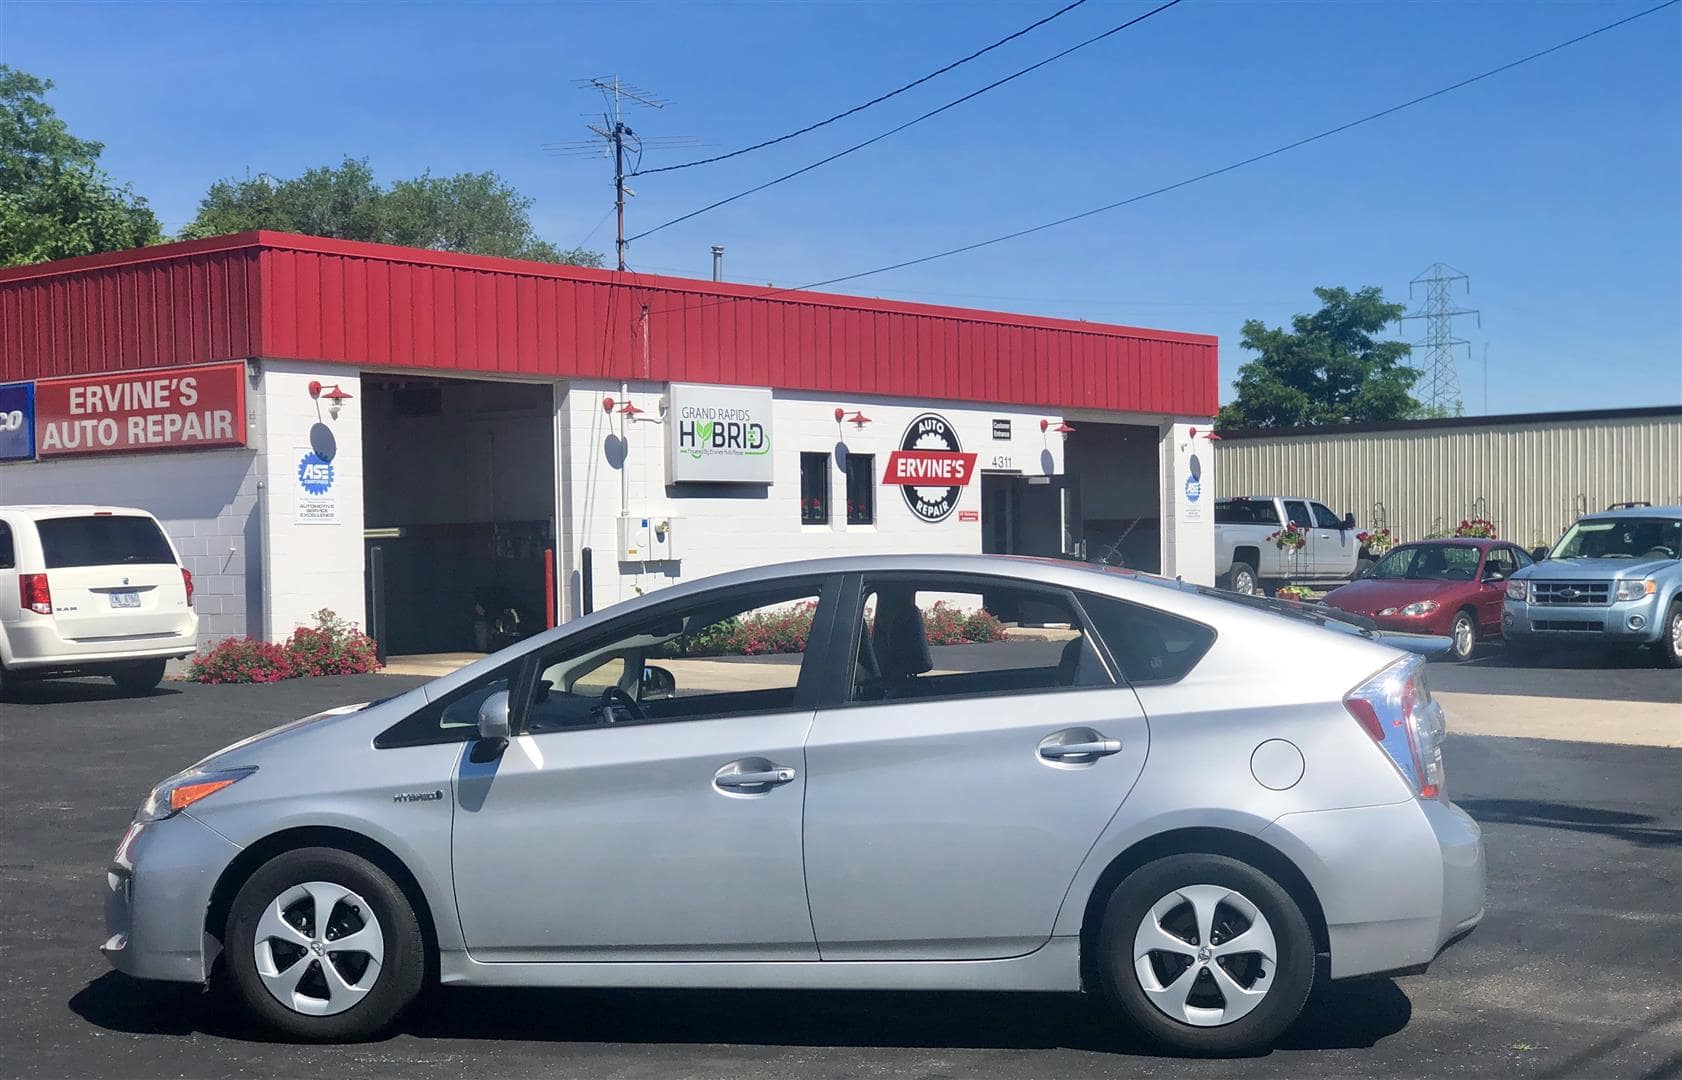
[91, 590]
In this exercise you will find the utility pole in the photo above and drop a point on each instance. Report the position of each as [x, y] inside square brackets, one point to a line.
[1442, 386]
[615, 139]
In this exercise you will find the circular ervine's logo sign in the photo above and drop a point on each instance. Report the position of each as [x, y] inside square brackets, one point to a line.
[932, 446]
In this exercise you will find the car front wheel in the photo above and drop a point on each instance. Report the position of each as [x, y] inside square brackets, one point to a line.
[322, 945]
[1465, 635]
[1669, 647]
[1206, 954]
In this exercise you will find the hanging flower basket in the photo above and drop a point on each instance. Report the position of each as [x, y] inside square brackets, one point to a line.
[1478, 528]
[1377, 542]
[1291, 538]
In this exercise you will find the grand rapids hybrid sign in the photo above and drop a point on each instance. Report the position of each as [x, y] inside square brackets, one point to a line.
[718, 434]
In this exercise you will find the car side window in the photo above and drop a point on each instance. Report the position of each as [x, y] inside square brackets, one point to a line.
[722, 654]
[8, 557]
[1499, 564]
[1147, 644]
[1298, 512]
[1324, 518]
[925, 637]
[453, 717]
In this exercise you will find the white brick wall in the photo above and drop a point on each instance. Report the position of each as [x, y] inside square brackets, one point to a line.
[310, 566]
[207, 501]
[727, 527]
[1188, 535]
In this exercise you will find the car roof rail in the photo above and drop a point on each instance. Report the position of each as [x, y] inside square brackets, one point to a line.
[1628, 505]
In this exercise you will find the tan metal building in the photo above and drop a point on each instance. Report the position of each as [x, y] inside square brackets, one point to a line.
[1532, 474]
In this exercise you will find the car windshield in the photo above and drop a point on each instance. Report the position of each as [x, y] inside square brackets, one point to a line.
[1318, 614]
[1621, 538]
[1428, 562]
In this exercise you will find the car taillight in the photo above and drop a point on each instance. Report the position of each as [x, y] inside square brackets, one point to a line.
[187, 580]
[1396, 710]
[33, 594]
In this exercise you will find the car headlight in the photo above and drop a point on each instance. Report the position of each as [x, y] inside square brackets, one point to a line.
[1635, 590]
[179, 792]
[1518, 590]
[1419, 607]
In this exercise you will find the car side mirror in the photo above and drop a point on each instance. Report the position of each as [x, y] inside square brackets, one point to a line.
[493, 718]
[658, 684]
[1348, 522]
[1494, 576]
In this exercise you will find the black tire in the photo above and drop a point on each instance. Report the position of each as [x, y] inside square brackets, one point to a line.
[141, 678]
[1242, 579]
[402, 969]
[1464, 646]
[1668, 649]
[1291, 980]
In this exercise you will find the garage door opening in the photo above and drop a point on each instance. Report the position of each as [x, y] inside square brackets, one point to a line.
[459, 496]
[1115, 494]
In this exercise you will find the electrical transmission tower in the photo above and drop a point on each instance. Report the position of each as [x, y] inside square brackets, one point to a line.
[1442, 387]
[615, 139]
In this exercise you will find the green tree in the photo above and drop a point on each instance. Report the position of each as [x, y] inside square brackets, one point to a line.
[476, 213]
[1329, 368]
[55, 201]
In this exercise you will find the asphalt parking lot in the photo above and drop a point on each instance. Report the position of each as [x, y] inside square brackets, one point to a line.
[1577, 971]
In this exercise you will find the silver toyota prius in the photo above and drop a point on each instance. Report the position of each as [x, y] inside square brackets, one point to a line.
[898, 772]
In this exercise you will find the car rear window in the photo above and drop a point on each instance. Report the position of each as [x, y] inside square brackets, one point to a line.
[1246, 512]
[1151, 646]
[102, 541]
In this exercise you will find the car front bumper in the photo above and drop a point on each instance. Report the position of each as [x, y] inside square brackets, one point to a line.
[1632, 622]
[157, 892]
[1397, 883]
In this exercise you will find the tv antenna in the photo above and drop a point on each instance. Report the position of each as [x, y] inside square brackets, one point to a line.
[613, 138]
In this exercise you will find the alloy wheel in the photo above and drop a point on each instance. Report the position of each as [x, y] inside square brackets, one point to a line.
[319, 948]
[1465, 637]
[1205, 955]
[1676, 633]
[1243, 582]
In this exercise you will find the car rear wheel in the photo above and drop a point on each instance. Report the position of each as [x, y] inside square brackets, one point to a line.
[1669, 647]
[139, 678]
[322, 945]
[1206, 954]
[1465, 635]
[1242, 579]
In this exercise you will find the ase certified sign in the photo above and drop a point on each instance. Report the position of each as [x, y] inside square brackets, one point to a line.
[718, 434]
[930, 467]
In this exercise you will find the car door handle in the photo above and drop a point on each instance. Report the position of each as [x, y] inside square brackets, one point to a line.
[772, 777]
[1097, 748]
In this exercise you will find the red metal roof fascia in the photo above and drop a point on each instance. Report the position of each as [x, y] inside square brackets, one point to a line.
[709, 289]
[393, 306]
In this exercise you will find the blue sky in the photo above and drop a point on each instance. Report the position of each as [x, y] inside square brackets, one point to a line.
[1556, 187]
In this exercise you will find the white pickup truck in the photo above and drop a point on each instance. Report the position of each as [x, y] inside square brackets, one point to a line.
[1247, 561]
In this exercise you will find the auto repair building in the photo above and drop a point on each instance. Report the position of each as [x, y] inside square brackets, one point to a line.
[411, 438]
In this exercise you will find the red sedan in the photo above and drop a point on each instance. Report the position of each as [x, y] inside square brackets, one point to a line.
[1448, 587]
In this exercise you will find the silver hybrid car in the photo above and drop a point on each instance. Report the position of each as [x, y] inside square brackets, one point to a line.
[899, 772]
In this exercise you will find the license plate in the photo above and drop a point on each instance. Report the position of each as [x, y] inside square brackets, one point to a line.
[125, 599]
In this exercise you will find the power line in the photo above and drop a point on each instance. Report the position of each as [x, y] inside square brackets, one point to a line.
[1370, 117]
[909, 123]
[873, 101]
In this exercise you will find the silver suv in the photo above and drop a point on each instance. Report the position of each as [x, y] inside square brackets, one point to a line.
[1614, 578]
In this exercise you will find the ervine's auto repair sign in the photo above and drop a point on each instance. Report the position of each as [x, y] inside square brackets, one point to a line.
[167, 409]
[930, 467]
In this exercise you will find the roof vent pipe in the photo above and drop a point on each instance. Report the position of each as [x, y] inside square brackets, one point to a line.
[718, 262]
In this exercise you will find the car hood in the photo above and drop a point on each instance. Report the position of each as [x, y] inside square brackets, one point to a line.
[1371, 595]
[228, 754]
[1593, 569]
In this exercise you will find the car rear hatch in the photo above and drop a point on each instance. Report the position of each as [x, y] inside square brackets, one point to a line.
[113, 577]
